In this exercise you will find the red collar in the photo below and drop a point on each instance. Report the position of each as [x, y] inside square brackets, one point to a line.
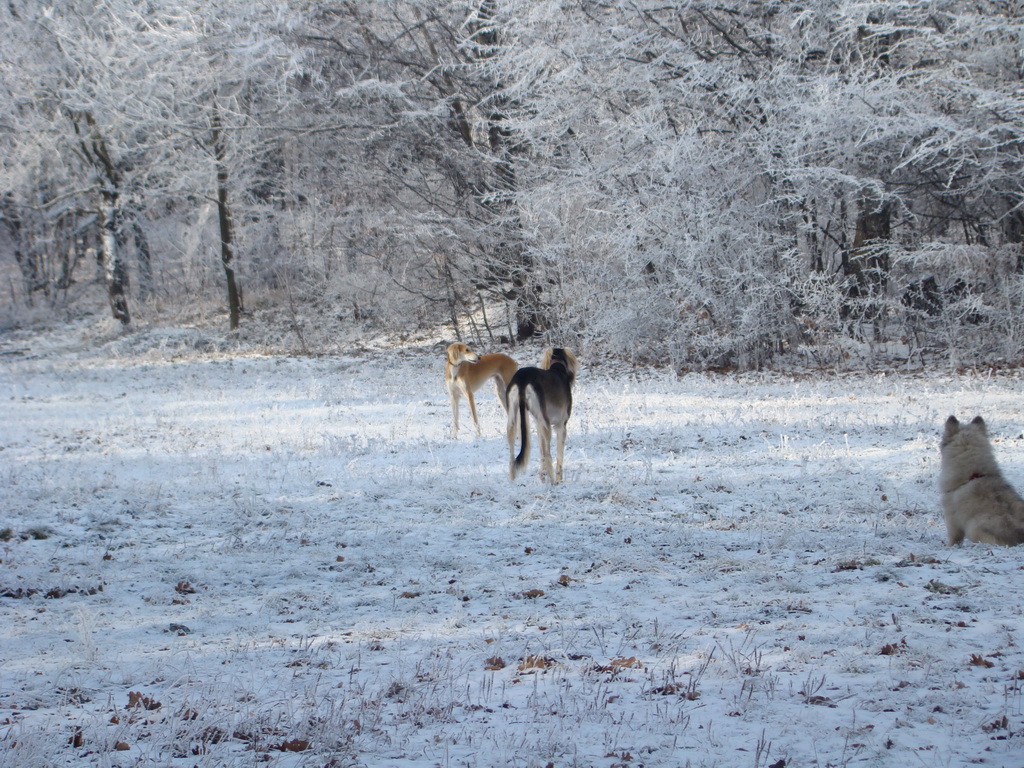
[976, 475]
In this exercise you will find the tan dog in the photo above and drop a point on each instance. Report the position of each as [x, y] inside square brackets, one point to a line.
[976, 501]
[545, 392]
[465, 372]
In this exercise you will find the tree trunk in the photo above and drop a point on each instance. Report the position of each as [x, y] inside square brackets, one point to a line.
[1013, 233]
[227, 254]
[227, 250]
[869, 256]
[114, 271]
[868, 259]
[144, 257]
[11, 220]
[94, 149]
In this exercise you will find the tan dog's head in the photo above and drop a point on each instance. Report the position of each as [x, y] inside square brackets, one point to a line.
[459, 353]
[562, 356]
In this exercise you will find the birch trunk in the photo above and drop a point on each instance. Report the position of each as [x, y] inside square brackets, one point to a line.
[114, 270]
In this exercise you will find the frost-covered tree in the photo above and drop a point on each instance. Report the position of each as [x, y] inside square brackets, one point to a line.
[68, 156]
[415, 149]
[700, 184]
[645, 193]
[230, 90]
[151, 116]
[710, 184]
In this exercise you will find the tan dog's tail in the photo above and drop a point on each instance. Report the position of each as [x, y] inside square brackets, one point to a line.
[517, 423]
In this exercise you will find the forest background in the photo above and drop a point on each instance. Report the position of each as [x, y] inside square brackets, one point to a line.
[698, 184]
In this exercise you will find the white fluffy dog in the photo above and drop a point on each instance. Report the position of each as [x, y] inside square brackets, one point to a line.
[977, 502]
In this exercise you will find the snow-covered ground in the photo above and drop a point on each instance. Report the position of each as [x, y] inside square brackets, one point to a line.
[226, 559]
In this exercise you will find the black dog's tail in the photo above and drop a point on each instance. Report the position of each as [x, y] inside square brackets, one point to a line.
[517, 423]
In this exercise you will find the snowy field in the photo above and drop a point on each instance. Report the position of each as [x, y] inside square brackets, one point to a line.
[224, 559]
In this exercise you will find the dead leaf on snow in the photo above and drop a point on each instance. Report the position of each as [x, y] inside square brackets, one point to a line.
[536, 662]
[136, 699]
[295, 745]
[623, 663]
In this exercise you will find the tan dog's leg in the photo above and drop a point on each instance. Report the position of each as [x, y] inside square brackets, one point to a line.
[500, 385]
[544, 437]
[472, 405]
[560, 439]
[453, 393]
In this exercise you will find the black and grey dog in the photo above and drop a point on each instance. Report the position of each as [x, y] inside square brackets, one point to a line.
[545, 392]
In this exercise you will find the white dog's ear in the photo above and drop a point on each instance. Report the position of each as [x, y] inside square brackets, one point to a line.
[981, 423]
[952, 427]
